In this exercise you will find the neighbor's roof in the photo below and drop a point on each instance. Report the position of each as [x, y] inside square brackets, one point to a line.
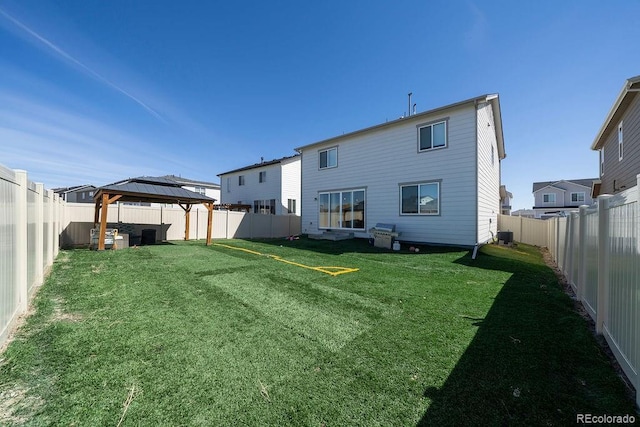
[153, 190]
[72, 189]
[629, 91]
[191, 182]
[582, 182]
[492, 98]
[261, 164]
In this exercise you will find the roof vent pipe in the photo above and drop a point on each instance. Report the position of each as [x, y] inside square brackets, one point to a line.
[414, 109]
[409, 109]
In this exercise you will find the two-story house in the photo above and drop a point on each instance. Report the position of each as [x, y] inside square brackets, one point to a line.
[618, 142]
[269, 187]
[205, 188]
[558, 198]
[505, 200]
[77, 194]
[435, 175]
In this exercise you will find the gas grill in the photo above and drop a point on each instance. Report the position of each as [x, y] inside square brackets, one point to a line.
[383, 235]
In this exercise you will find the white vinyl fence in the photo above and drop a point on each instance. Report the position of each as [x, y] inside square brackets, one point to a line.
[169, 223]
[29, 229]
[598, 250]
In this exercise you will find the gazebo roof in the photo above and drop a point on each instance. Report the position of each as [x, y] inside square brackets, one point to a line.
[152, 190]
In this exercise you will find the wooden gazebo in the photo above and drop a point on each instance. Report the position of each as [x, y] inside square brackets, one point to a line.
[149, 190]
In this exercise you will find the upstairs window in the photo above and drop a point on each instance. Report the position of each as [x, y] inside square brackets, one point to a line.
[620, 142]
[241, 180]
[577, 197]
[262, 177]
[602, 161]
[432, 136]
[201, 190]
[549, 198]
[329, 158]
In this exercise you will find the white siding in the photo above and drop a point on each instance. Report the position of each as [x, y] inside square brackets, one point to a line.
[291, 172]
[282, 182]
[488, 175]
[383, 158]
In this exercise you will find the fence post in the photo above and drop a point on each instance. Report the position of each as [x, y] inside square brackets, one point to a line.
[56, 226]
[568, 249]
[582, 252]
[51, 228]
[39, 233]
[521, 238]
[602, 310]
[21, 241]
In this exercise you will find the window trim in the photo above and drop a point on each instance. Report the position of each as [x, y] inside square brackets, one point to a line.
[326, 150]
[241, 180]
[431, 124]
[262, 177]
[549, 194]
[438, 182]
[602, 161]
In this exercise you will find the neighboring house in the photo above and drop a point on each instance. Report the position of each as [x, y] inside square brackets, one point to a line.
[209, 189]
[557, 198]
[77, 194]
[505, 200]
[269, 187]
[435, 175]
[618, 142]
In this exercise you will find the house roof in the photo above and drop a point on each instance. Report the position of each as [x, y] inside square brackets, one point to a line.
[537, 186]
[629, 90]
[191, 182]
[259, 165]
[152, 190]
[64, 190]
[492, 98]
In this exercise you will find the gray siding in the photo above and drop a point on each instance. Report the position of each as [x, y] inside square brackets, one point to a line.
[623, 172]
[382, 159]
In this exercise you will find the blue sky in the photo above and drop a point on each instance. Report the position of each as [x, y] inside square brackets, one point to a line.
[92, 92]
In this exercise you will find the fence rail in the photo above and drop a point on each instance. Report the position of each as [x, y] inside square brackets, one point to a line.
[598, 250]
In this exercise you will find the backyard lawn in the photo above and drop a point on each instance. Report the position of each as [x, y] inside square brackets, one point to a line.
[254, 333]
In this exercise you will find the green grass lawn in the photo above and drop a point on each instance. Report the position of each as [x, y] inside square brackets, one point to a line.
[185, 334]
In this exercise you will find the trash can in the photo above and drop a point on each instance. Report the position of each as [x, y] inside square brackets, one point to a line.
[148, 236]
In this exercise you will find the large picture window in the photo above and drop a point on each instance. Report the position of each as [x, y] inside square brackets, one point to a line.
[342, 209]
[328, 158]
[420, 199]
[432, 136]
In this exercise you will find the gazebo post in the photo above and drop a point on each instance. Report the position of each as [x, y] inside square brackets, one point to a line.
[209, 221]
[187, 215]
[103, 221]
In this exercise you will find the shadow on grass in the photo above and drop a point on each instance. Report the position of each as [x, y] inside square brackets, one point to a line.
[532, 361]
